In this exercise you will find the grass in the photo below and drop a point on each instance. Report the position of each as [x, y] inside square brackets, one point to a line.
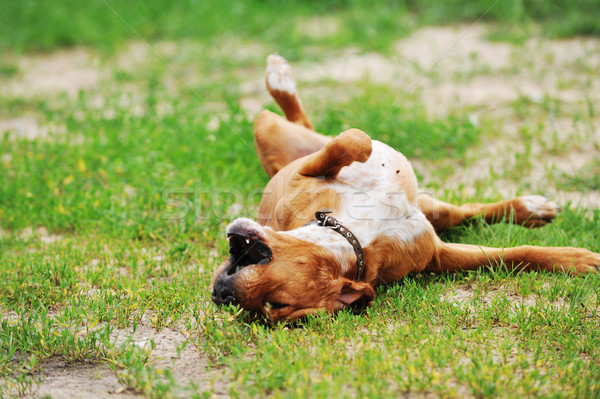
[98, 186]
[588, 176]
[280, 24]
[113, 224]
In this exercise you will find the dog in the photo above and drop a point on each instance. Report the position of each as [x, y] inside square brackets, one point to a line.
[342, 215]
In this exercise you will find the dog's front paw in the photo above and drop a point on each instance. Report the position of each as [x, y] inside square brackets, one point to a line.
[534, 210]
[353, 143]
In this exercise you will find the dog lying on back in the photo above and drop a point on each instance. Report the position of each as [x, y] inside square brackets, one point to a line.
[343, 215]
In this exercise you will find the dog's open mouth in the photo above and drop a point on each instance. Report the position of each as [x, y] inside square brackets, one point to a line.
[247, 250]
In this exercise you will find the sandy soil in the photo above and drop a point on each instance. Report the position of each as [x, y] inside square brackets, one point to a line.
[60, 379]
[63, 71]
[463, 297]
[78, 381]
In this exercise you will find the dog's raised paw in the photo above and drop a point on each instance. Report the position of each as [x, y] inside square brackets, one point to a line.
[279, 75]
[534, 210]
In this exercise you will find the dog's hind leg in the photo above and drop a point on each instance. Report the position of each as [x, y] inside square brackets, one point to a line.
[282, 87]
[530, 211]
[459, 257]
[279, 141]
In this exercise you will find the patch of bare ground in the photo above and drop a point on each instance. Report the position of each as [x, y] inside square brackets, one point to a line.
[466, 298]
[463, 297]
[489, 78]
[41, 234]
[172, 351]
[61, 379]
[351, 66]
[29, 126]
[47, 76]
[318, 27]
[65, 71]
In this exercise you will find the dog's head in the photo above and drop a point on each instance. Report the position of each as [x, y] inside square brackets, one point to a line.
[282, 276]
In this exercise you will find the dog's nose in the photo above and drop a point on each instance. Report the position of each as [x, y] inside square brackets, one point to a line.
[223, 295]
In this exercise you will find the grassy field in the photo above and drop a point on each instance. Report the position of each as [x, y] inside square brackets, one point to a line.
[30, 25]
[113, 206]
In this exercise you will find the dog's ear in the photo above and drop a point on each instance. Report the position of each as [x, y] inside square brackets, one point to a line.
[355, 294]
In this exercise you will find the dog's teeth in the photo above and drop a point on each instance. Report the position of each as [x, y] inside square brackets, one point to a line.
[247, 241]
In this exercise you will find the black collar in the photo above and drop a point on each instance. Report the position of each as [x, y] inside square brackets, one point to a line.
[329, 221]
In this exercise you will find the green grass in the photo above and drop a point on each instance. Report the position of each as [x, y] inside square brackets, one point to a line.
[370, 25]
[587, 178]
[402, 123]
[122, 245]
[136, 205]
[122, 171]
[125, 190]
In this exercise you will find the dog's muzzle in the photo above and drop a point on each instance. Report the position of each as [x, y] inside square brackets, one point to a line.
[224, 292]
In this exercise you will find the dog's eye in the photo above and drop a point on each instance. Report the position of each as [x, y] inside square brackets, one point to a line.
[275, 305]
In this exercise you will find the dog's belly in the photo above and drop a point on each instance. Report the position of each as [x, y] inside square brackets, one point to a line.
[378, 197]
[385, 170]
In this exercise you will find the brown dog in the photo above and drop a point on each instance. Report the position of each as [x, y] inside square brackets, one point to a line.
[342, 215]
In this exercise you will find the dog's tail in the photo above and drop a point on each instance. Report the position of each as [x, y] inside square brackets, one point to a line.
[282, 87]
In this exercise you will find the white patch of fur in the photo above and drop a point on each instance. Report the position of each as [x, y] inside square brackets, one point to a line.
[281, 82]
[244, 224]
[539, 205]
[329, 239]
[279, 75]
